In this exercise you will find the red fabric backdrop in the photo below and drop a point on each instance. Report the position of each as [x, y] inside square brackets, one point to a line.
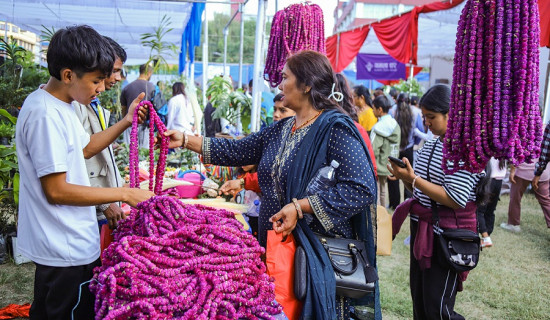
[544, 9]
[416, 70]
[350, 44]
[398, 35]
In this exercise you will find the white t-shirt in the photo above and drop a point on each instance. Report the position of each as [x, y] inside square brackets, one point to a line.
[180, 114]
[50, 139]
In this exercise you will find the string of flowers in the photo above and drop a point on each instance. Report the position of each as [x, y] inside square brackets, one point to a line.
[154, 171]
[295, 28]
[494, 109]
[176, 261]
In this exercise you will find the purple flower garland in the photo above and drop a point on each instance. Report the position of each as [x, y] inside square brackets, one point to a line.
[295, 28]
[158, 174]
[175, 261]
[494, 108]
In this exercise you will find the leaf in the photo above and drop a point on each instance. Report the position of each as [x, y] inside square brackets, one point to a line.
[16, 189]
[5, 113]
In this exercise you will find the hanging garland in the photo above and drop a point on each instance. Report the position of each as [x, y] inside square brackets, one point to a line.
[174, 261]
[158, 174]
[494, 108]
[297, 27]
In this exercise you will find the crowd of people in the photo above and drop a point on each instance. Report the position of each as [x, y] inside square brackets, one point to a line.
[70, 184]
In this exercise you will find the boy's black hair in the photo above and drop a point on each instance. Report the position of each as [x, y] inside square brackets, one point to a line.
[382, 102]
[81, 49]
[119, 51]
[278, 97]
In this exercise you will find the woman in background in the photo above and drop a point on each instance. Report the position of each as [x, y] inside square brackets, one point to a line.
[180, 114]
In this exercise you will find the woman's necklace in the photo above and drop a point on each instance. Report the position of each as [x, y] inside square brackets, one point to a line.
[294, 128]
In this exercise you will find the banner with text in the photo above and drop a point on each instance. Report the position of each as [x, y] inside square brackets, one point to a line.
[379, 67]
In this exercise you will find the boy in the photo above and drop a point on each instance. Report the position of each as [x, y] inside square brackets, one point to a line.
[57, 222]
[102, 168]
[385, 137]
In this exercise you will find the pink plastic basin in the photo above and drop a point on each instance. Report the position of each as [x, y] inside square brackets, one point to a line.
[190, 191]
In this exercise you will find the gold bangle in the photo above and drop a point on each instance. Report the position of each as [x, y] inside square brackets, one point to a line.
[241, 180]
[298, 208]
[185, 140]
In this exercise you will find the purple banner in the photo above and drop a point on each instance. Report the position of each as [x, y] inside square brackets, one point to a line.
[379, 67]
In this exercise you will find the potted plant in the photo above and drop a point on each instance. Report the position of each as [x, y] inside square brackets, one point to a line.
[6, 133]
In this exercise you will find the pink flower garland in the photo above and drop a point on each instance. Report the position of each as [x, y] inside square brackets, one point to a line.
[175, 261]
[158, 174]
[494, 109]
[297, 27]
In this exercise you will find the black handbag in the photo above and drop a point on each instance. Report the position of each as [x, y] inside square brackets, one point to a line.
[355, 276]
[458, 248]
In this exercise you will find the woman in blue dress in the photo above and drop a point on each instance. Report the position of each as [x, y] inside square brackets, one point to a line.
[288, 154]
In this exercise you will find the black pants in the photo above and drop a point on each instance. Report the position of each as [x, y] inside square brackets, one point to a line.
[433, 290]
[486, 213]
[394, 193]
[56, 292]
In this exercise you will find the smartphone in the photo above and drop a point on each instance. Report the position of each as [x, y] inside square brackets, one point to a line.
[398, 162]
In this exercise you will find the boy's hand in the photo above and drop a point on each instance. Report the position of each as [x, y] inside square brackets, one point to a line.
[114, 214]
[176, 138]
[135, 196]
[142, 113]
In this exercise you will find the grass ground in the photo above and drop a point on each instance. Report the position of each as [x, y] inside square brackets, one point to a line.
[511, 281]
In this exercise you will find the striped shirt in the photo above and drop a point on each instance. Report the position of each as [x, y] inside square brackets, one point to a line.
[460, 186]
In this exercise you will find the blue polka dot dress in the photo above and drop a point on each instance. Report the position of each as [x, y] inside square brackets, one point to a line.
[274, 149]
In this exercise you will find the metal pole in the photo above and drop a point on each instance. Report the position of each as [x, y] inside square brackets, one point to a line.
[241, 48]
[337, 52]
[258, 70]
[225, 33]
[205, 60]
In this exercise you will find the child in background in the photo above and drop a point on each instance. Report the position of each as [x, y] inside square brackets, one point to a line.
[385, 137]
[486, 213]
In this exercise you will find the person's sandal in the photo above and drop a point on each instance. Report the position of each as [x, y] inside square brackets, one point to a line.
[486, 242]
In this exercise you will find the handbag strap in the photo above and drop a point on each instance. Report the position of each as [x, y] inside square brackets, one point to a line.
[435, 213]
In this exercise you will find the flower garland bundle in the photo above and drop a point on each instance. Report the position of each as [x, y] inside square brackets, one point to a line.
[134, 150]
[176, 261]
[297, 27]
[494, 109]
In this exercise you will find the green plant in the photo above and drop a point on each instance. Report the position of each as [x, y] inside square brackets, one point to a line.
[6, 130]
[410, 86]
[159, 47]
[14, 54]
[9, 174]
[229, 104]
[110, 100]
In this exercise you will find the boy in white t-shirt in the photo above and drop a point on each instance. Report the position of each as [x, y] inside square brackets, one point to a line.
[57, 227]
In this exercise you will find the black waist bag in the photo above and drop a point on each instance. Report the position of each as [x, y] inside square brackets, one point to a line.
[459, 248]
[355, 276]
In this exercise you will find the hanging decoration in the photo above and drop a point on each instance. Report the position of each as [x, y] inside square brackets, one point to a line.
[494, 109]
[297, 27]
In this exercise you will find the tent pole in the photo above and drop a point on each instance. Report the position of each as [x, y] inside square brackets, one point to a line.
[241, 48]
[258, 70]
[204, 66]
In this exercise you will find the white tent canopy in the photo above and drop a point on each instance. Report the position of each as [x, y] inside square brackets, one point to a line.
[122, 20]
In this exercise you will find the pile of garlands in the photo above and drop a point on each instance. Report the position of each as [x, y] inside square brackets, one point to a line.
[174, 261]
[494, 110]
[297, 27]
